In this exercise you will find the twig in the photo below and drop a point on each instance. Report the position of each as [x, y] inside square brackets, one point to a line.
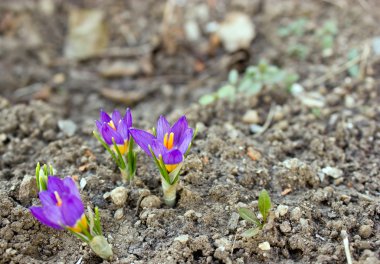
[233, 245]
[267, 122]
[333, 72]
[344, 235]
[364, 60]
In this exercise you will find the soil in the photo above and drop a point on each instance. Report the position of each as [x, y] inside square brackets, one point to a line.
[228, 165]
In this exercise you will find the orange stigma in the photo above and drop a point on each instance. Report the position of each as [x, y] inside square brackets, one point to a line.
[169, 140]
[59, 201]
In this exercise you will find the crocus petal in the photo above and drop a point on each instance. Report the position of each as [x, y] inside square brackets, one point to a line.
[186, 140]
[47, 198]
[99, 126]
[172, 157]
[122, 129]
[48, 215]
[55, 184]
[108, 133]
[71, 187]
[128, 118]
[163, 127]
[71, 209]
[104, 117]
[143, 139]
[116, 117]
[179, 128]
[158, 148]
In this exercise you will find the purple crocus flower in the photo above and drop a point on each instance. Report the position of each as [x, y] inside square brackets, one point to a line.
[62, 206]
[117, 127]
[170, 142]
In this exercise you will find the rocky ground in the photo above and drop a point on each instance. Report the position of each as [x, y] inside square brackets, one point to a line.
[318, 158]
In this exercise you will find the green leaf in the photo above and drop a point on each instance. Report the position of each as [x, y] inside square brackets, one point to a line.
[264, 204]
[97, 222]
[207, 99]
[38, 167]
[251, 232]
[283, 32]
[330, 27]
[120, 162]
[354, 70]
[105, 145]
[249, 216]
[233, 77]
[227, 91]
[327, 42]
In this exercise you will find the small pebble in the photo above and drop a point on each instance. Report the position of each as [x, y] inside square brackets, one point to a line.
[119, 214]
[150, 201]
[281, 210]
[265, 246]
[332, 172]
[295, 214]
[251, 117]
[285, 227]
[28, 188]
[68, 127]
[183, 238]
[365, 231]
[119, 195]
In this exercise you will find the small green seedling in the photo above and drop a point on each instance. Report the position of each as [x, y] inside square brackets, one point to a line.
[354, 70]
[254, 79]
[42, 175]
[264, 205]
[326, 36]
[295, 28]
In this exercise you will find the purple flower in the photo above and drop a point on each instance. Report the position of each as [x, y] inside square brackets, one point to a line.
[116, 127]
[170, 142]
[62, 206]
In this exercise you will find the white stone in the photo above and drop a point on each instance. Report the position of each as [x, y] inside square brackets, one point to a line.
[119, 195]
[251, 117]
[265, 246]
[182, 238]
[333, 172]
[119, 214]
[282, 210]
[68, 127]
[236, 31]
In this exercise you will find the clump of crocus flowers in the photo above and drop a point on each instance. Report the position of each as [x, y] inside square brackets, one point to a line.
[113, 132]
[62, 208]
[168, 146]
[61, 204]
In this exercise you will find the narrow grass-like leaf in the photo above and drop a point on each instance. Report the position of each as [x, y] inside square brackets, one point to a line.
[162, 170]
[97, 222]
[38, 167]
[121, 162]
[251, 232]
[105, 145]
[264, 204]
[80, 236]
[249, 216]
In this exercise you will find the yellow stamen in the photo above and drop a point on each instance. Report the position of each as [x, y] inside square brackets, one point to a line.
[80, 225]
[59, 201]
[112, 125]
[169, 140]
[170, 167]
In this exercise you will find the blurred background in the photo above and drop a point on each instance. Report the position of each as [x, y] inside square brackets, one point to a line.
[163, 55]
